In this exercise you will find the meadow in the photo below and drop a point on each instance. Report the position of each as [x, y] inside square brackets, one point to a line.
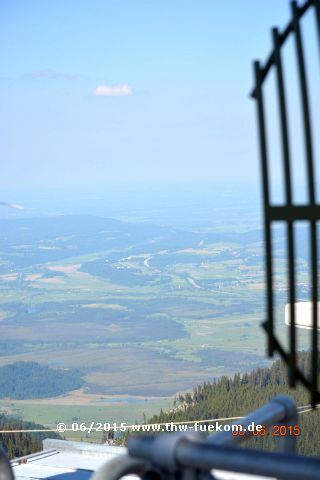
[120, 410]
[140, 309]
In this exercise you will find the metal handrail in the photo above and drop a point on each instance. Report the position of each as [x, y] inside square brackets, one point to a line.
[179, 451]
[281, 410]
[283, 466]
[202, 456]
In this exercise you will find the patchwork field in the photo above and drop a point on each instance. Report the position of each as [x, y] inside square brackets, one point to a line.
[141, 310]
[129, 410]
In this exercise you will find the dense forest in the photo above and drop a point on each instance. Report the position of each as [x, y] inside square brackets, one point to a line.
[22, 380]
[244, 393]
[20, 444]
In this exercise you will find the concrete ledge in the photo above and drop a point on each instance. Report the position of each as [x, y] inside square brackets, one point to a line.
[82, 448]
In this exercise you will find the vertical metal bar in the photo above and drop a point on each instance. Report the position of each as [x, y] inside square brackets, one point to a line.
[292, 294]
[288, 191]
[317, 10]
[314, 274]
[314, 379]
[311, 188]
[266, 198]
[305, 102]
[283, 115]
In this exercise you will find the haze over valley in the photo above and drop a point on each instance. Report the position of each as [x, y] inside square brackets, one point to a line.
[141, 310]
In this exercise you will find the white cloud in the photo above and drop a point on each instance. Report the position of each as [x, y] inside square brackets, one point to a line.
[112, 91]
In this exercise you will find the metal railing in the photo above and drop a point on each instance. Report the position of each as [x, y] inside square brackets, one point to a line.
[290, 212]
[191, 456]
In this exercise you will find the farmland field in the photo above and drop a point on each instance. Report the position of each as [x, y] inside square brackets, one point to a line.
[129, 410]
[143, 310]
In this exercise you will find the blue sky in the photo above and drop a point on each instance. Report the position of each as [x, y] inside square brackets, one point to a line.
[98, 93]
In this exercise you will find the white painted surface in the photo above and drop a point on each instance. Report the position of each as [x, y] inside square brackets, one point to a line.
[64, 460]
[303, 312]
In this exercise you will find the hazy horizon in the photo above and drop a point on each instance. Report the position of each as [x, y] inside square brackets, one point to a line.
[131, 92]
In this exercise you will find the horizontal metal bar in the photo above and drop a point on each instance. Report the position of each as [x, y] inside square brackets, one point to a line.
[283, 466]
[162, 450]
[281, 409]
[293, 212]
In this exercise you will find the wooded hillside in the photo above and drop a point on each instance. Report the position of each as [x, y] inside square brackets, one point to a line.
[20, 444]
[242, 394]
[23, 380]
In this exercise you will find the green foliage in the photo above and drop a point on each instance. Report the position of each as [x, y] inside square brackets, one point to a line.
[20, 444]
[242, 394]
[23, 380]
